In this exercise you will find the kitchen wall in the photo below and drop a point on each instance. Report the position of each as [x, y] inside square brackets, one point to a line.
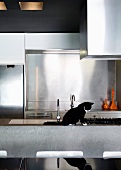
[56, 76]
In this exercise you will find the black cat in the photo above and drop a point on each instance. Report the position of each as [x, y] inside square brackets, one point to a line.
[77, 113]
[72, 117]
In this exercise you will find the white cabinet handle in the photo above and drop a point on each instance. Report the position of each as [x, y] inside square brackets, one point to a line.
[111, 154]
[3, 154]
[59, 154]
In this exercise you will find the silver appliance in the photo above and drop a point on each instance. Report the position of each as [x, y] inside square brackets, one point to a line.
[11, 91]
[100, 29]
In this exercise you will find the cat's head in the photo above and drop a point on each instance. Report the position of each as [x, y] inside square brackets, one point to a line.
[86, 106]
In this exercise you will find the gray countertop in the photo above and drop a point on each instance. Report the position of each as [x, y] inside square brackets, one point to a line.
[20, 140]
[24, 122]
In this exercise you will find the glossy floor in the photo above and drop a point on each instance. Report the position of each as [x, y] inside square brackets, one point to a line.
[51, 164]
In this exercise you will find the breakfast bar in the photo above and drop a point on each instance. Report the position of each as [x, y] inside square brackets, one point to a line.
[24, 138]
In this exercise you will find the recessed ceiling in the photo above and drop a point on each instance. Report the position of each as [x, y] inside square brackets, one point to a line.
[56, 16]
[22, 6]
[31, 5]
[2, 6]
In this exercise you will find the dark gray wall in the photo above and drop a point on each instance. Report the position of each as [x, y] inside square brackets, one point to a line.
[56, 16]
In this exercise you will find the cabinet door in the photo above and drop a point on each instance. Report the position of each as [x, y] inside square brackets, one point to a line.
[12, 49]
[46, 41]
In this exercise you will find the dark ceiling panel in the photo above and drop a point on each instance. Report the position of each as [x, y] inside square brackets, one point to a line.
[12, 5]
[56, 16]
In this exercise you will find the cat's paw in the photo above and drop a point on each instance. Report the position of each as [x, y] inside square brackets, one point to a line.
[84, 124]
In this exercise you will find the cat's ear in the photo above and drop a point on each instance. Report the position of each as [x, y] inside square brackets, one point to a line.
[91, 103]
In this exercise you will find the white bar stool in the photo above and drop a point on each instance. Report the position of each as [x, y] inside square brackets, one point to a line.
[111, 154]
[59, 154]
[3, 154]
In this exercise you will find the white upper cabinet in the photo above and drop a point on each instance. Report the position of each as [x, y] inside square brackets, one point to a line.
[45, 41]
[12, 48]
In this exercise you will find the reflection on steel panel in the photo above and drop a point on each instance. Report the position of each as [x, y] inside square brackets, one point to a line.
[51, 164]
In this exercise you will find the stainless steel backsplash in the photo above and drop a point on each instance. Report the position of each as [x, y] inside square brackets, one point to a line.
[56, 76]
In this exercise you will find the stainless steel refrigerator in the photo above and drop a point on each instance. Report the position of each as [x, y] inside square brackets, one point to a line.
[11, 91]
